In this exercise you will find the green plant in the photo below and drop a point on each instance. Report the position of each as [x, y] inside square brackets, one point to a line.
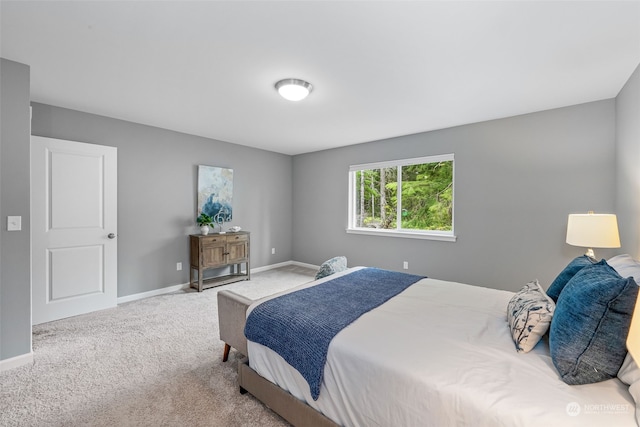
[204, 219]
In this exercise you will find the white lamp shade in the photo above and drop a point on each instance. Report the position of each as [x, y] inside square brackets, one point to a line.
[593, 230]
[294, 89]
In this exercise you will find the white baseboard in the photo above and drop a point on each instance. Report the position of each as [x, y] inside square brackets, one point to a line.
[14, 362]
[283, 264]
[270, 267]
[175, 288]
[304, 264]
[153, 293]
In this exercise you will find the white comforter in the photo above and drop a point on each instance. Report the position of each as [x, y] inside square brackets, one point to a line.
[440, 354]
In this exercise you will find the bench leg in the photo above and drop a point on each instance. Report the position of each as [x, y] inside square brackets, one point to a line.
[225, 356]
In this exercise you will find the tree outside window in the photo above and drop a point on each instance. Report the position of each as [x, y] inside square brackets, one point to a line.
[410, 195]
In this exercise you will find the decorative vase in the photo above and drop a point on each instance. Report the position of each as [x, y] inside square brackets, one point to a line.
[204, 229]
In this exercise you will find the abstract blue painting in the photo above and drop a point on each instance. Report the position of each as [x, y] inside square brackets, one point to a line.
[215, 192]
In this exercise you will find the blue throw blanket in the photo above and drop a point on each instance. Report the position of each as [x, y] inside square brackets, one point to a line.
[299, 326]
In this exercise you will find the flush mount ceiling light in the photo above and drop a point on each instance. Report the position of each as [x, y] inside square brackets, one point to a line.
[293, 89]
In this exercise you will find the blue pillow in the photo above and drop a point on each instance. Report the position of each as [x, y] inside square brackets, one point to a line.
[565, 275]
[590, 325]
[331, 266]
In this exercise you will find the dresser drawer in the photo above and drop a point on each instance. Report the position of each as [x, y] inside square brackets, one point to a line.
[237, 238]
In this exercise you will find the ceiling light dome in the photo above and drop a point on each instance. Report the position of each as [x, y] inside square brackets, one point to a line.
[294, 89]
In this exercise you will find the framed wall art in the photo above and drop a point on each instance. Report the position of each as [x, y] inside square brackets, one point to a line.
[215, 192]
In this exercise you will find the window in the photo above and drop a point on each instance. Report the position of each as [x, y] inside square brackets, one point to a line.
[407, 198]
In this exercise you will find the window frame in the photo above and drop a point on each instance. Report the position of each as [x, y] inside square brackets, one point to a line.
[448, 236]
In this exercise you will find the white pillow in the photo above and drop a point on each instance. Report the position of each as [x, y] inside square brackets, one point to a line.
[626, 266]
[629, 373]
[529, 315]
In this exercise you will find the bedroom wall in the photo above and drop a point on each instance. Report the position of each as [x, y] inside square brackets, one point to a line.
[516, 180]
[628, 164]
[157, 176]
[15, 272]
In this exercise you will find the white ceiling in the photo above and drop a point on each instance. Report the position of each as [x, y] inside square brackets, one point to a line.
[379, 68]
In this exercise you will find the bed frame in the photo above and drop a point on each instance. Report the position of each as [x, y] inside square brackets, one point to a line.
[232, 309]
[295, 411]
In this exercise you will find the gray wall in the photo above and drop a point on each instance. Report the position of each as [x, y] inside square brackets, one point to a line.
[516, 180]
[157, 176]
[628, 164]
[15, 266]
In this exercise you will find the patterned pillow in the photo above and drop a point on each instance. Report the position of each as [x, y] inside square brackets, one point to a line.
[565, 275]
[529, 314]
[334, 265]
[588, 333]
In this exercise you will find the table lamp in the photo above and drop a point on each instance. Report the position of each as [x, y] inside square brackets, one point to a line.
[592, 230]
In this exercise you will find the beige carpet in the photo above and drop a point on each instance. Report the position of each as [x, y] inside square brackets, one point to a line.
[152, 362]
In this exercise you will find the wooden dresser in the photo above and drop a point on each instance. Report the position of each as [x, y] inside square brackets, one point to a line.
[218, 251]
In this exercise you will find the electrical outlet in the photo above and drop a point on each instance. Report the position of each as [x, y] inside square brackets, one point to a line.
[405, 265]
[273, 251]
[179, 266]
[14, 223]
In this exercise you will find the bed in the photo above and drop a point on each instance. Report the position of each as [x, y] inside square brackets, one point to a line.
[438, 353]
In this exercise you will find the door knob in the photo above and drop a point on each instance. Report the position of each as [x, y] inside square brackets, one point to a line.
[111, 236]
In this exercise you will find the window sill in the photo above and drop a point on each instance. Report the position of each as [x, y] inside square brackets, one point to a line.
[403, 234]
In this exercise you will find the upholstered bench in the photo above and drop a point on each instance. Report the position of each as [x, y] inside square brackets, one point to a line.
[232, 309]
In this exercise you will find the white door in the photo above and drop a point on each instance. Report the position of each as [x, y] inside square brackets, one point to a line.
[73, 228]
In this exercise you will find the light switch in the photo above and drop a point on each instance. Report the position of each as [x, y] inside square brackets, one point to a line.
[14, 223]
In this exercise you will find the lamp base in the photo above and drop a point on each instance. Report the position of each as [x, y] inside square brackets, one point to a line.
[590, 253]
